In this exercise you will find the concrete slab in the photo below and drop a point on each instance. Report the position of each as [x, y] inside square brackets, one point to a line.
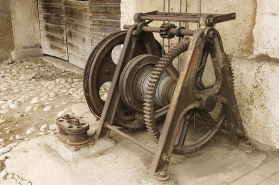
[44, 160]
[261, 174]
[62, 64]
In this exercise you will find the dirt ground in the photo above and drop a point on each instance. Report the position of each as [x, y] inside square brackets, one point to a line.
[33, 93]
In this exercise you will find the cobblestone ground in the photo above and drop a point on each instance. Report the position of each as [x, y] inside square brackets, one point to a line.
[33, 93]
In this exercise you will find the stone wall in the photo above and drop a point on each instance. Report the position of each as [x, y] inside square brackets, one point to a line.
[26, 30]
[6, 36]
[252, 41]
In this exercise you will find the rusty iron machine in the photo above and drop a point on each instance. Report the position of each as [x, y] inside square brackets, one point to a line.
[148, 91]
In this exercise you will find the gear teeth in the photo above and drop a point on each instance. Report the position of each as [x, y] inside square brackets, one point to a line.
[156, 74]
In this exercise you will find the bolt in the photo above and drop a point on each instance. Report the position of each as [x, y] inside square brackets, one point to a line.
[212, 34]
[76, 122]
[163, 174]
[166, 159]
[106, 70]
[66, 117]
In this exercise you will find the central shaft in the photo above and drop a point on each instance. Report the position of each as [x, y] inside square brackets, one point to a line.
[165, 90]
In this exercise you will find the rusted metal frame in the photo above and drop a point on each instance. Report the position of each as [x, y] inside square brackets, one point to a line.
[182, 102]
[161, 112]
[151, 45]
[213, 50]
[172, 30]
[187, 17]
[199, 84]
[113, 98]
[130, 138]
[181, 136]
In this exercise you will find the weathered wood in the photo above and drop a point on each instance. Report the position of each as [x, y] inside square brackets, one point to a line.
[56, 9]
[52, 19]
[55, 49]
[50, 1]
[55, 38]
[78, 39]
[78, 60]
[51, 28]
[105, 29]
[77, 13]
[80, 4]
[105, 12]
[104, 1]
[76, 25]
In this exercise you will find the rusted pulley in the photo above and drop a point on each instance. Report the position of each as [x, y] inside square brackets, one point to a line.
[72, 130]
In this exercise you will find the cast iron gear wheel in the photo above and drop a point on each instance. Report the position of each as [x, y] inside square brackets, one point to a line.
[100, 69]
[149, 114]
[157, 72]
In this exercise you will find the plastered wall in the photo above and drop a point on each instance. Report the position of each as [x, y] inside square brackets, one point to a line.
[252, 41]
[6, 32]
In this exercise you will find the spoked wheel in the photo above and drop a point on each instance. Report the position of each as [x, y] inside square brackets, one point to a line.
[198, 126]
[100, 69]
[197, 129]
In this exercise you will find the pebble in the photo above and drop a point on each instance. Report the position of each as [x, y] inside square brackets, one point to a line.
[19, 137]
[63, 112]
[13, 144]
[48, 108]
[5, 150]
[41, 133]
[28, 108]
[52, 127]
[3, 157]
[13, 106]
[16, 177]
[35, 100]
[30, 130]
[44, 127]
[19, 181]
[1, 121]
[10, 176]
[24, 182]
[4, 111]
[3, 173]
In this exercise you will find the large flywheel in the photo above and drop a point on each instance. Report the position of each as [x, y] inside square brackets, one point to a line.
[100, 69]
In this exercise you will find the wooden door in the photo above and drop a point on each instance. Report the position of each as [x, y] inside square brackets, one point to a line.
[71, 29]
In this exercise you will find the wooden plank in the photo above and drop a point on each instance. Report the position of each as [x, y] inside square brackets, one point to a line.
[80, 4]
[105, 22]
[82, 50]
[55, 49]
[53, 38]
[105, 12]
[78, 60]
[104, 1]
[56, 9]
[78, 39]
[76, 25]
[50, 1]
[79, 53]
[52, 19]
[77, 13]
[105, 29]
[51, 28]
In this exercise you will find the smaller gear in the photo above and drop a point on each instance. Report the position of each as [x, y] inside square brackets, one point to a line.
[165, 30]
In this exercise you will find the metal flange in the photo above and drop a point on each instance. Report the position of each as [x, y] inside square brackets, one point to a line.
[72, 130]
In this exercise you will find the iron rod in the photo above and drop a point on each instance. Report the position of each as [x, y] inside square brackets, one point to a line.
[129, 138]
[170, 18]
[163, 48]
[178, 58]
[157, 29]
